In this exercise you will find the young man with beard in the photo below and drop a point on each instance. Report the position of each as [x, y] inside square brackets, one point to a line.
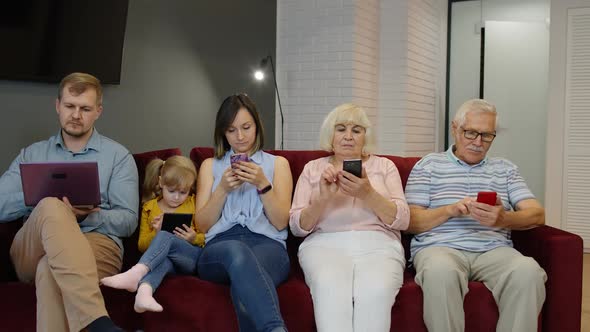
[64, 249]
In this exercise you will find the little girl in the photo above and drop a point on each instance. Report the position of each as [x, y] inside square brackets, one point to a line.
[168, 188]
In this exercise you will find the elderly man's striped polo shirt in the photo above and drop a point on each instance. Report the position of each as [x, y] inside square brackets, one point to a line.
[441, 179]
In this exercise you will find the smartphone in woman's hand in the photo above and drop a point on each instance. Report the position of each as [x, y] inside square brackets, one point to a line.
[234, 158]
[353, 166]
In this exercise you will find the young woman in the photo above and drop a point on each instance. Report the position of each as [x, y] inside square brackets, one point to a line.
[244, 210]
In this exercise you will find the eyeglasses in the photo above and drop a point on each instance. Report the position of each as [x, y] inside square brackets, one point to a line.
[472, 135]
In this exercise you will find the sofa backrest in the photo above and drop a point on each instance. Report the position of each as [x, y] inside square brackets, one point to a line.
[297, 160]
[142, 159]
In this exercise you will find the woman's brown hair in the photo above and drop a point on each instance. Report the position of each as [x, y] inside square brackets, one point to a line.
[225, 117]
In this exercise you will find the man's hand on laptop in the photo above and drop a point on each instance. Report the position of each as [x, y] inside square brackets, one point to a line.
[80, 212]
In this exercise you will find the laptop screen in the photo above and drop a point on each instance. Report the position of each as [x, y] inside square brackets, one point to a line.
[78, 181]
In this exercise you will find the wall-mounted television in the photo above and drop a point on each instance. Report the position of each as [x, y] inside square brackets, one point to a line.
[44, 40]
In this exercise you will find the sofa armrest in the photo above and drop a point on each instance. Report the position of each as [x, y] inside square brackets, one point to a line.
[7, 232]
[560, 254]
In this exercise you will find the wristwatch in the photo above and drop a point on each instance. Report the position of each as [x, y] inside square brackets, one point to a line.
[264, 190]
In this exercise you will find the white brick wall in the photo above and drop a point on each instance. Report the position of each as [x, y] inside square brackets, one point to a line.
[426, 54]
[366, 57]
[393, 68]
[315, 54]
[385, 55]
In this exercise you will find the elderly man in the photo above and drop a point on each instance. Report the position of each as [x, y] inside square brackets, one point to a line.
[66, 249]
[459, 239]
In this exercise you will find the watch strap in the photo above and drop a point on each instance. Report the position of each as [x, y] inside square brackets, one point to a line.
[264, 190]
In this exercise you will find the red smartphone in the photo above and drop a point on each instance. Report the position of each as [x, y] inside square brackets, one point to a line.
[488, 197]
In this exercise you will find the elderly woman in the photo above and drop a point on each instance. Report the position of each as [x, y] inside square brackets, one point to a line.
[353, 259]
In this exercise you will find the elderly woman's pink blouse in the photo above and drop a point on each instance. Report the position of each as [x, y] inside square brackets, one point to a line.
[346, 213]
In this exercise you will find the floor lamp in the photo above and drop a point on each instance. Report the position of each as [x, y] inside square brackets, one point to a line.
[259, 75]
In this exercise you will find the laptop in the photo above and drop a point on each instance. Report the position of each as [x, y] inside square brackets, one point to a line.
[78, 181]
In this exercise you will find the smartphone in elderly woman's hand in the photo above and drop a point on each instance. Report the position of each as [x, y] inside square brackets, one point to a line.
[353, 166]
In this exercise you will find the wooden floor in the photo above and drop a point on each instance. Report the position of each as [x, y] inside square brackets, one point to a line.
[586, 295]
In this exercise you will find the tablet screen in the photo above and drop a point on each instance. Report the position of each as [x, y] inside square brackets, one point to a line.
[172, 220]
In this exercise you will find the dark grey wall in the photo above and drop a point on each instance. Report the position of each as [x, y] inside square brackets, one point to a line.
[180, 60]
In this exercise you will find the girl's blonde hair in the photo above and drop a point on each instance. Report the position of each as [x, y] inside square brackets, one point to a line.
[346, 114]
[176, 172]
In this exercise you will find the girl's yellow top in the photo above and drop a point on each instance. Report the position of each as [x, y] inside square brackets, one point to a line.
[150, 210]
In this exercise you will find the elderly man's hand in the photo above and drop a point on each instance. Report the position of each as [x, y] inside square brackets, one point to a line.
[459, 208]
[488, 215]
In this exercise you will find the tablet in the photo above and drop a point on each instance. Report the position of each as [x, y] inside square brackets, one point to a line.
[78, 181]
[172, 220]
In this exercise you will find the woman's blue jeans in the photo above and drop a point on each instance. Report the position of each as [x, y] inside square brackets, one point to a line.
[169, 254]
[253, 265]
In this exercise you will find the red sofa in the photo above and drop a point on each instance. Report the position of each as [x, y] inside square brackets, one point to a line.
[191, 304]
